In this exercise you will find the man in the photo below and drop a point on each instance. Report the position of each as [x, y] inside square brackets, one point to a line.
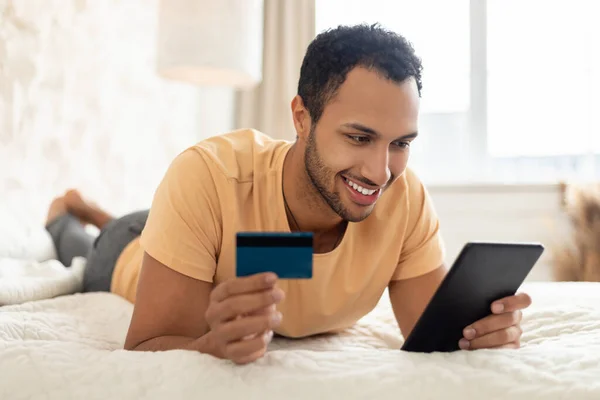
[345, 179]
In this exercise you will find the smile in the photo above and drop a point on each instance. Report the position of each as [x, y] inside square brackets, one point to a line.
[359, 188]
[361, 195]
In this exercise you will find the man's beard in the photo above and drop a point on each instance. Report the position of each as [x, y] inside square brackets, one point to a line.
[318, 173]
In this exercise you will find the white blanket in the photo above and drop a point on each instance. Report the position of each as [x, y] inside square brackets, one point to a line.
[70, 347]
[28, 280]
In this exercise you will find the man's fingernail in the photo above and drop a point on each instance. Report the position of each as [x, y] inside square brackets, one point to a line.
[270, 278]
[276, 318]
[464, 344]
[267, 337]
[278, 294]
[498, 307]
[469, 333]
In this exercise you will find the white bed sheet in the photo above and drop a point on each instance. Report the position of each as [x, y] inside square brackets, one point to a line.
[70, 347]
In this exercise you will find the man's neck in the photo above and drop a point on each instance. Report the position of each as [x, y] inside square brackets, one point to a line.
[307, 207]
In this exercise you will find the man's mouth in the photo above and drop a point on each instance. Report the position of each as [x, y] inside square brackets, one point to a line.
[362, 195]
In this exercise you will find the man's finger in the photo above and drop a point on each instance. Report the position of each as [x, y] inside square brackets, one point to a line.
[242, 328]
[511, 303]
[243, 304]
[247, 351]
[243, 285]
[267, 310]
[491, 323]
[494, 339]
[511, 345]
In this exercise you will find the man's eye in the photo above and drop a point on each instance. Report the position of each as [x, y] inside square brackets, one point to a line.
[402, 145]
[359, 139]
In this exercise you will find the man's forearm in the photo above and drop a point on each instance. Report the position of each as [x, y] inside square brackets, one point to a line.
[409, 297]
[203, 344]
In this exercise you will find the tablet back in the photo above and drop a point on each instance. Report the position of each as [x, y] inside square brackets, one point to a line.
[481, 274]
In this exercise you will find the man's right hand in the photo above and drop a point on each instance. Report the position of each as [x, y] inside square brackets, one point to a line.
[241, 315]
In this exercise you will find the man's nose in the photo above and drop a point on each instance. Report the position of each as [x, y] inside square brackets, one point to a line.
[377, 169]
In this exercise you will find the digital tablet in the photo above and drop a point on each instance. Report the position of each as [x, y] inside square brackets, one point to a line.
[287, 254]
[481, 274]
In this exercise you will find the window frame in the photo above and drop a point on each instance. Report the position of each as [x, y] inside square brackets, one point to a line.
[484, 167]
[473, 163]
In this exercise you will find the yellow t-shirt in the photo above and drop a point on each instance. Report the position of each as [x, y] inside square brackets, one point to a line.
[232, 183]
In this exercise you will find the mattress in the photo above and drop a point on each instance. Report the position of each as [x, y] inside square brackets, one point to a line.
[71, 347]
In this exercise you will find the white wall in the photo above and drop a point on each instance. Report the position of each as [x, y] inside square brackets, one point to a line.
[81, 105]
[500, 213]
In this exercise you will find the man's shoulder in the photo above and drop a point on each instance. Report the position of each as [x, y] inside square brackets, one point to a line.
[408, 184]
[239, 154]
[406, 193]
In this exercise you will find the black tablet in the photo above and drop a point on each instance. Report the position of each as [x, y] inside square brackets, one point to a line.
[481, 274]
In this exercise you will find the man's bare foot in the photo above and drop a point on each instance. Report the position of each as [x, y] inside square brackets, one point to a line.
[76, 205]
[57, 208]
[87, 212]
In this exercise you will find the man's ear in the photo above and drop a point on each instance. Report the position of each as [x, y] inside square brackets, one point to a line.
[301, 118]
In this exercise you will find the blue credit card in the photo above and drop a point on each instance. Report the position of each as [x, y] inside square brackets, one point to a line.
[287, 254]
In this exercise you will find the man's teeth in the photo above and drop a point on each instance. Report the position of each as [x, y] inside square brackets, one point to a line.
[360, 189]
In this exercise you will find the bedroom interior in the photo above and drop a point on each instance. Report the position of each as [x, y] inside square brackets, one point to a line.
[81, 82]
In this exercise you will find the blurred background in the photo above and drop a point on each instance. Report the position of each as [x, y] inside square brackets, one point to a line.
[101, 95]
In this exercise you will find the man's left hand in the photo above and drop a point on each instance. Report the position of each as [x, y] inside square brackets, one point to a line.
[501, 329]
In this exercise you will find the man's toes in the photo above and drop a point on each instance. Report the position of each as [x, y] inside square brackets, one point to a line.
[72, 196]
[76, 203]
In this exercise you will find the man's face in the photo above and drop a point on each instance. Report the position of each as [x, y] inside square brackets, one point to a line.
[361, 143]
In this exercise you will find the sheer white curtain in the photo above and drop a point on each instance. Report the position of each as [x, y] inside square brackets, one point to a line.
[289, 28]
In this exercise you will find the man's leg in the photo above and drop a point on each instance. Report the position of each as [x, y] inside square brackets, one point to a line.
[67, 216]
[107, 248]
[68, 234]
[87, 211]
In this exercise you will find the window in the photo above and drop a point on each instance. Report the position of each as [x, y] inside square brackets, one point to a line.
[511, 87]
[447, 53]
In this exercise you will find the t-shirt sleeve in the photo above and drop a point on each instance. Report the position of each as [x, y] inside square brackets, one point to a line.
[423, 248]
[184, 226]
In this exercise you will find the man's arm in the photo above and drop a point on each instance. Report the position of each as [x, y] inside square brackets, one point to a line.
[169, 311]
[173, 311]
[500, 329]
[409, 297]
[411, 289]
[176, 305]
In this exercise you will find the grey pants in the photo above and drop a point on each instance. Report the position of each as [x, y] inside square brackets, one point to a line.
[71, 240]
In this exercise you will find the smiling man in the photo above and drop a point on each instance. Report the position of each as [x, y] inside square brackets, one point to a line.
[344, 178]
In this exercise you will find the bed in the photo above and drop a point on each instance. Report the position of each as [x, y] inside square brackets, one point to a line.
[70, 346]
[56, 343]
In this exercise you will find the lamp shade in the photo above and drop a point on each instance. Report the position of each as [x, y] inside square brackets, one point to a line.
[211, 42]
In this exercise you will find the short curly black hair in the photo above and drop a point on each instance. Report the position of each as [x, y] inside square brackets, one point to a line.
[335, 52]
